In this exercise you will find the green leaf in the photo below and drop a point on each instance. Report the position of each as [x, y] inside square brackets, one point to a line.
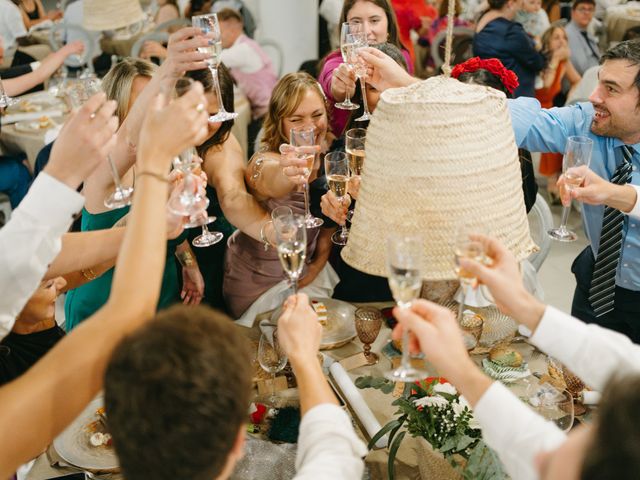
[484, 464]
[463, 442]
[393, 450]
[379, 383]
[389, 426]
[387, 388]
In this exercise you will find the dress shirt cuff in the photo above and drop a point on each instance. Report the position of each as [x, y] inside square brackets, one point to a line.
[34, 66]
[52, 202]
[635, 211]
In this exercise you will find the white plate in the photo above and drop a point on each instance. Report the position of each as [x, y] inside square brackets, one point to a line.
[33, 126]
[73, 444]
[340, 328]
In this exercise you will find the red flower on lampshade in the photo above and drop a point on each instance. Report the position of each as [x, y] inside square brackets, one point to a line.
[508, 78]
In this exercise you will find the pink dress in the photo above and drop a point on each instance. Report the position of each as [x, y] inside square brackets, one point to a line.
[249, 270]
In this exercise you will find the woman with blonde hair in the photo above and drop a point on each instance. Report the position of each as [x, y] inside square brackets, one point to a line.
[253, 280]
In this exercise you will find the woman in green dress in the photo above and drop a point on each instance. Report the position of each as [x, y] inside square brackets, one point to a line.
[125, 84]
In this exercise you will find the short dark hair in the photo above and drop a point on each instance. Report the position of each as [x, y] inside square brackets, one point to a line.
[628, 50]
[225, 81]
[614, 451]
[228, 14]
[177, 392]
[578, 2]
[482, 76]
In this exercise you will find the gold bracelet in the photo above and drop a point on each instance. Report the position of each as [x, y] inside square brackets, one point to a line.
[89, 274]
[157, 176]
[186, 259]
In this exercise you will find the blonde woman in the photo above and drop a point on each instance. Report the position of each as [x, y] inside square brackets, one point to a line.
[254, 280]
[124, 84]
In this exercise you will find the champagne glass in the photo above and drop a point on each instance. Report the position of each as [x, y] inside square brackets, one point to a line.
[185, 199]
[575, 163]
[336, 167]
[404, 260]
[466, 247]
[271, 357]
[291, 240]
[207, 238]
[209, 25]
[346, 46]
[553, 404]
[5, 100]
[360, 67]
[354, 146]
[305, 137]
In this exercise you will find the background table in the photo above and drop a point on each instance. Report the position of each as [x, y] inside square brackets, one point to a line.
[620, 18]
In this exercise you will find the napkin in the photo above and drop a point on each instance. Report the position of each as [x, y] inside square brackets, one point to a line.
[26, 116]
[357, 403]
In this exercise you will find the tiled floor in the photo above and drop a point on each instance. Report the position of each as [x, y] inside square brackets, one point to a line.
[555, 274]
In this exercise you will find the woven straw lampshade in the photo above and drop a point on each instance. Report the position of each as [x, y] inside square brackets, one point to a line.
[110, 14]
[439, 152]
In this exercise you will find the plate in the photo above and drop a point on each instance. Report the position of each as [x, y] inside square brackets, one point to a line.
[340, 328]
[73, 444]
[33, 126]
[497, 327]
[35, 103]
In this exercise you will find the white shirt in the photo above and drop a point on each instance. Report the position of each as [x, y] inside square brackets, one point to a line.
[328, 447]
[31, 240]
[241, 56]
[593, 353]
[11, 25]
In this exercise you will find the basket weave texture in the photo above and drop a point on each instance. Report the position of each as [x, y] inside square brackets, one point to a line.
[439, 152]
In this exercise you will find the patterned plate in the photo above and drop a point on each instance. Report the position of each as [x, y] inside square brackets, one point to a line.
[505, 374]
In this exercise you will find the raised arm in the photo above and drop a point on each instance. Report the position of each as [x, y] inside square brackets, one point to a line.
[40, 404]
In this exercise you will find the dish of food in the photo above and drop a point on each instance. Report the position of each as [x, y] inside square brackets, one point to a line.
[337, 319]
[86, 443]
[41, 124]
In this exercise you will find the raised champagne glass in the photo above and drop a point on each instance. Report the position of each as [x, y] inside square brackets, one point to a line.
[404, 260]
[467, 246]
[336, 167]
[575, 163]
[271, 356]
[360, 68]
[354, 146]
[291, 240]
[211, 28]
[346, 47]
[306, 137]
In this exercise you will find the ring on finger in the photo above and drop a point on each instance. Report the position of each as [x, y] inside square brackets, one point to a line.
[200, 108]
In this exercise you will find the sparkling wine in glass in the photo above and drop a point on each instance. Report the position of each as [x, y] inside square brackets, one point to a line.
[575, 163]
[360, 68]
[354, 146]
[467, 246]
[305, 137]
[336, 167]
[347, 46]
[211, 28]
[271, 356]
[291, 240]
[404, 260]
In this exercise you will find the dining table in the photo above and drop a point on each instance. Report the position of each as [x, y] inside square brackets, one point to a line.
[407, 461]
[620, 18]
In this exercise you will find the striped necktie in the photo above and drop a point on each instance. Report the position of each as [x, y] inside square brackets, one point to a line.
[603, 282]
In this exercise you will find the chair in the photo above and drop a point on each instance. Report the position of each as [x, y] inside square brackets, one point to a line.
[162, 37]
[58, 37]
[540, 221]
[461, 49]
[273, 49]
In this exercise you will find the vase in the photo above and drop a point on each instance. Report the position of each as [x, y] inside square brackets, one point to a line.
[432, 464]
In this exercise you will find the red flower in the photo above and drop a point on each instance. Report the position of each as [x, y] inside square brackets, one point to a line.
[428, 382]
[508, 78]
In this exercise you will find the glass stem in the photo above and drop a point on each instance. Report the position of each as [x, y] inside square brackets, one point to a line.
[273, 387]
[364, 95]
[406, 363]
[114, 174]
[565, 217]
[344, 231]
[462, 303]
[294, 283]
[305, 189]
[216, 87]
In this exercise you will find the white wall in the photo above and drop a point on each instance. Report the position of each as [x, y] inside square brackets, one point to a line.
[292, 24]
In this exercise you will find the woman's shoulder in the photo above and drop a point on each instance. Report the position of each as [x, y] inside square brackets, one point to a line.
[331, 61]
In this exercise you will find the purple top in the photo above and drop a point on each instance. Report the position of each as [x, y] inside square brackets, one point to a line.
[339, 117]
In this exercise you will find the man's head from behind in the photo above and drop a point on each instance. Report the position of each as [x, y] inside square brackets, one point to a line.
[231, 25]
[608, 449]
[177, 396]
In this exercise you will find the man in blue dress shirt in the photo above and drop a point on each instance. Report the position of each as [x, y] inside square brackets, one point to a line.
[612, 121]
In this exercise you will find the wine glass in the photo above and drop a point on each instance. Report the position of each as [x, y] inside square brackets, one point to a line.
[346, 45]
[553, 404]
[291, 240]
[575, 163]
[359, 41]
[305, 137]
[336, 167]
[354, 146]
[466, 247]
[271, 356]
[185, 199]
[404, 260]
[5, 100]
[368, 324]
[211, 28]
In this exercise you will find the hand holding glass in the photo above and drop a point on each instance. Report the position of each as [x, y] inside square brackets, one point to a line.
[291, 239]
[346, 47]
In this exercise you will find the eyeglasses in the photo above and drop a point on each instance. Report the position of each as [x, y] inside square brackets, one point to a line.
[585, 10]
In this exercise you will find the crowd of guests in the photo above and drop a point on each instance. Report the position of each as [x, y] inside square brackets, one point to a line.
[177, 378]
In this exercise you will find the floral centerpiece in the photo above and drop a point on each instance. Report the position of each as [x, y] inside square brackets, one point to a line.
[434, 410]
